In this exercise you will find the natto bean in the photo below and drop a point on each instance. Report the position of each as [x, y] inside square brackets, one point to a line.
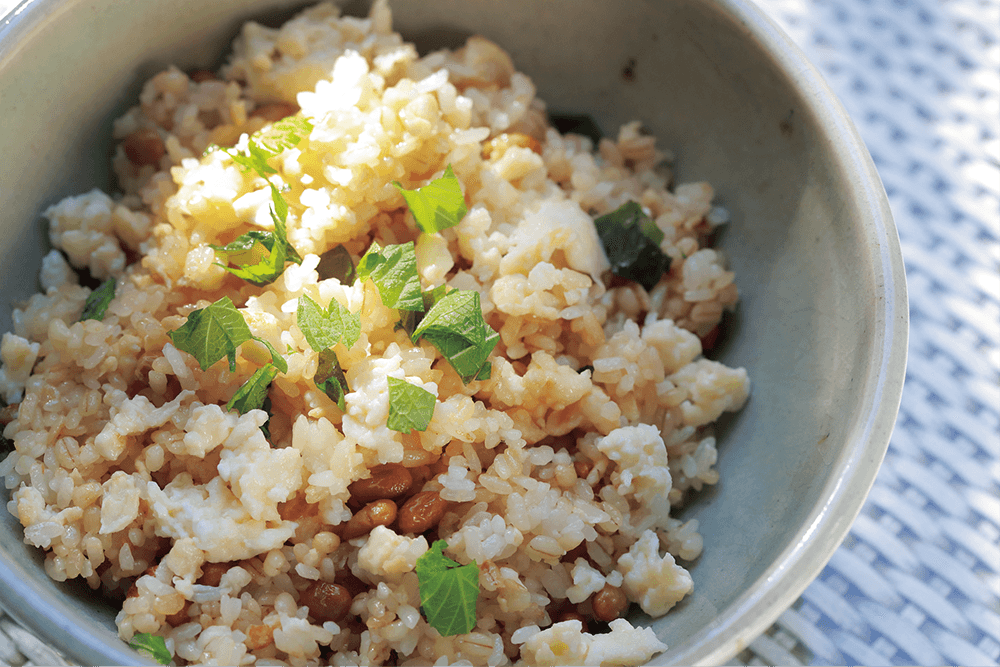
[609, 603]
[326, 601]
[422, 512]
[378, 513]
[387, 481]
[201, 75]
[211, 573]
[144, 147]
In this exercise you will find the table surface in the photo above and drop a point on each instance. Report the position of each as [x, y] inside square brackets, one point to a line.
[917, 581]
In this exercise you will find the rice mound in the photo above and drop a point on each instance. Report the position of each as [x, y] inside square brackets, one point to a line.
[559, 471]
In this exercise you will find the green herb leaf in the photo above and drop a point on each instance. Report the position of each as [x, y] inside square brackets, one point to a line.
[284, 134]
[448, 591]
[212, 333]
[433, 295]
[409, 319]
[270, 142]
[410, 407]
[345, 321]
[248, 249]
[393, 269]
[98, 301]
[330, 378]
[266, 426]
[259, 256]
[253, 392]
[631, 241]
[455, 326]
[276, 357]
[279, 215]
[325, 328]
[437, 205]
[337, 263]
[267, 261]
[153, 645]
[314, 326]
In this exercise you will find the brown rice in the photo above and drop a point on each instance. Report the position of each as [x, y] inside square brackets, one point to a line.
[559, 472]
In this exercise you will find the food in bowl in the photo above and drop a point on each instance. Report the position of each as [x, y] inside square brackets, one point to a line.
[377, 366]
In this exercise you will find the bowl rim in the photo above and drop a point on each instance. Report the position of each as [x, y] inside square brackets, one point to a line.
[841, 499]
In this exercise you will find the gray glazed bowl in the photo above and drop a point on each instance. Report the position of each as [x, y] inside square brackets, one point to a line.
[821, 327]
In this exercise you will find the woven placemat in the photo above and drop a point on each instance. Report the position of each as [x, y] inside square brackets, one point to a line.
[917, 581]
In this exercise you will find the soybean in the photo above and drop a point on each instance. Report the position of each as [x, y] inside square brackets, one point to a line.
[422, 512]
[211, 573]
[387, 481]
[201, 75]
[326, 601]
[609, 603]
[573, 616]
[378, 513]
[144, 147]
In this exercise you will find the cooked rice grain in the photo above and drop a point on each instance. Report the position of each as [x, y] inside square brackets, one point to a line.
[557, 475]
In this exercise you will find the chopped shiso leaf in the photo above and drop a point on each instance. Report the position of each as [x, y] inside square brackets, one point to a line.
[455, 326]
[437, 205]
[152, 645]
[252, 394]
[98, 301]
[486, 372]
[248, 249]
[265, 262]
[448, 591]
[348, 323]
[330, 378]
[259, 256]
[326, 328]
[631, 241]
[279, 215]
[433, 295]
[276, 357]
[271, 142]
[410, 407]
[409, 319]
[266, 426]
[212, 333]
[393, 269]
[337, 263]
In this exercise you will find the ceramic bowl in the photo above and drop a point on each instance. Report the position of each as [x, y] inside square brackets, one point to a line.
[821, 327]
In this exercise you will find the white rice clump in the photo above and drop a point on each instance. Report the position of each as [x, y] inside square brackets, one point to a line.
[559, 472]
